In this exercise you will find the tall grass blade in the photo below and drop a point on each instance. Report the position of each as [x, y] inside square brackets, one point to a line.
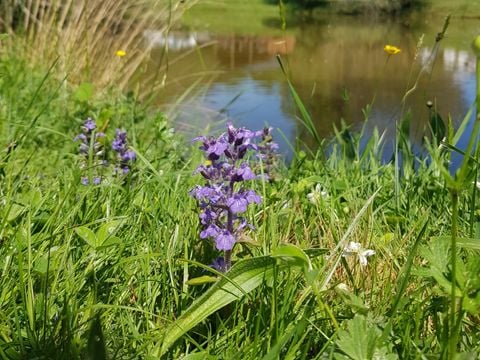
[306, 119]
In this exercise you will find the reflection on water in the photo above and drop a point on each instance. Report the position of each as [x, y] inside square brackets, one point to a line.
[337, 66]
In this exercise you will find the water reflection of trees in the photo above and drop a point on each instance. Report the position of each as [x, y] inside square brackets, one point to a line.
[339, 69]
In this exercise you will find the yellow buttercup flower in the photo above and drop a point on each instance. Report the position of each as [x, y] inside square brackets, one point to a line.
[120, 53]
[391, 50]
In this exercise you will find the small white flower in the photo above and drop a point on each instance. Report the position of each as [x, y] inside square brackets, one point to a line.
[477, 184]
[355, 249]
[315, 196]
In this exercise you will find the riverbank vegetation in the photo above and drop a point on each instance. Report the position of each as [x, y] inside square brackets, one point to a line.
[104, 254]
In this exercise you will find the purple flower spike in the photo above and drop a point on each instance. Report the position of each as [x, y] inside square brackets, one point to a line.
[90, 151]
[125, 157]
[223, 197]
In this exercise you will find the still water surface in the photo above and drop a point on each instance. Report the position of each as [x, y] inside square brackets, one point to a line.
[337, 65]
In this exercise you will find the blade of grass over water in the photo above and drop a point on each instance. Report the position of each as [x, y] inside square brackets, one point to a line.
[306, 119]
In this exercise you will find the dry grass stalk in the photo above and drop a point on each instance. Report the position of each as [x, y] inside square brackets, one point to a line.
[86, 34]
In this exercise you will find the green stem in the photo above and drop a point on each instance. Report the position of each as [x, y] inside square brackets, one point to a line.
[453, 332]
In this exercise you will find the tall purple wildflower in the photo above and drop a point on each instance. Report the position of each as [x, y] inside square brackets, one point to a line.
[91, 151]
[224, 197]
[125, 157]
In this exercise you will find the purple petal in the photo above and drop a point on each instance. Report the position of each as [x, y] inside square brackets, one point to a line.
[237, 204]
[225, 241]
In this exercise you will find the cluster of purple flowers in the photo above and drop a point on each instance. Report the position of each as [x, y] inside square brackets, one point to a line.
[91, 151]
[93, 154]
[125, 157]
[224, 198]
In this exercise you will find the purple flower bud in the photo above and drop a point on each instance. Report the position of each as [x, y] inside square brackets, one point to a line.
[218, 264]
[89, 125]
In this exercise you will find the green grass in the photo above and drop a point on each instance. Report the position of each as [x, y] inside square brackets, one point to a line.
[106, 271]
[65, 293]
[259, 17]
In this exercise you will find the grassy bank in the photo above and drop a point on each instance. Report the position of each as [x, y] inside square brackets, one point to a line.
[104, 255]
[106, 271]
[260, 17]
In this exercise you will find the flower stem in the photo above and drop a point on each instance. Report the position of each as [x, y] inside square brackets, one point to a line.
[453, 300]
[227, 256]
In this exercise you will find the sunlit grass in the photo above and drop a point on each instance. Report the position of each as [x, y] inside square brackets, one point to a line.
[116, 289]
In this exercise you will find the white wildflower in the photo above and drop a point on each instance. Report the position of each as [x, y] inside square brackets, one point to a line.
[315, 196]
[355, 249]
[477, 184]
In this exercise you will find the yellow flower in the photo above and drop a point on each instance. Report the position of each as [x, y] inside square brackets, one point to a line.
[208, 162]
[391, 50]
[120, 53]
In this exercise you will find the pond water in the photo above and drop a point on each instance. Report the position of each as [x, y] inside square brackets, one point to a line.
[336, 63]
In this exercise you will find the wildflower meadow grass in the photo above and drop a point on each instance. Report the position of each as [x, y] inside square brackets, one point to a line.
[120, 239]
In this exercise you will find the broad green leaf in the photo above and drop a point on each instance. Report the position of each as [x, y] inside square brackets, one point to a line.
[107, 230]
[87, 235]
[362, 341]
[202, 280]
[41, 265]
[113, 240]
[292, 255]
[15, 211]
[242, 278]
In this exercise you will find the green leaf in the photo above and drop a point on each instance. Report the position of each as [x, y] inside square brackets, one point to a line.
[15, 211]
[111, 241]
[202, 280]
[292, 255]
[84, 92]
[107, 230]
[243, 277]
[87, 235]
[361, 341]
[469, 243]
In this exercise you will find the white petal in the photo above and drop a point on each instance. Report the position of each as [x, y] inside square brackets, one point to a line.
[353, 247]
[362, 260]
[368, 253]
